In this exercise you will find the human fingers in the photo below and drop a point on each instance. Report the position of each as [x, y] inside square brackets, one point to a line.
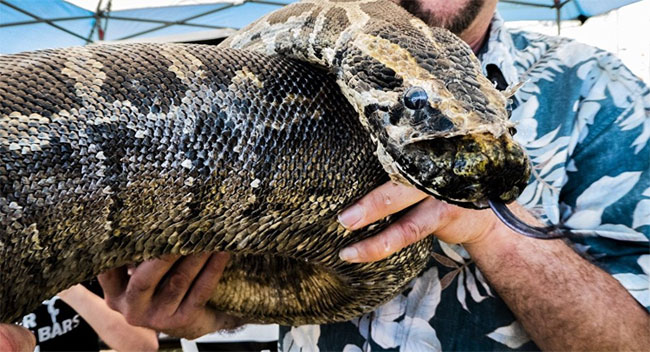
[450, 223]
[175, 286]
[136, 301]
[113, 283]
[194, 318]
[206, 283]
[384, 200]
[413, 226]
[16, 338]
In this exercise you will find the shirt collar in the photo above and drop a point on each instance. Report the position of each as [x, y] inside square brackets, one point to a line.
[499, 50]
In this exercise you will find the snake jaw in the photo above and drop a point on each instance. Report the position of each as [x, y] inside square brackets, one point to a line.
[445, 156]
[464, 169]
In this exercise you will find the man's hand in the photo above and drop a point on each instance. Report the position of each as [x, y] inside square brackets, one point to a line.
[170, 294]
[563, 301]
[450, 223]
[16, 338]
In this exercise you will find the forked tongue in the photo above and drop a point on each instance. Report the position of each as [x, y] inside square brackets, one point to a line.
[514, 223]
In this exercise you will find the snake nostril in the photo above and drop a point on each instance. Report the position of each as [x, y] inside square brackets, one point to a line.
[395, 114]
[394, 119]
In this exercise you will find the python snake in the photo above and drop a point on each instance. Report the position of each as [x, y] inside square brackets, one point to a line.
[114, 154]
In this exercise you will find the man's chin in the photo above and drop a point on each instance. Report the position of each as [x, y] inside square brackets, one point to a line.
[455, 15]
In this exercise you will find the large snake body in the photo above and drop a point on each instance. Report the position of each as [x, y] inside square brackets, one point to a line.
[114, 154]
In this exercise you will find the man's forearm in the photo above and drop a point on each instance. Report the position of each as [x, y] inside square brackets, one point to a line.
[563, 301]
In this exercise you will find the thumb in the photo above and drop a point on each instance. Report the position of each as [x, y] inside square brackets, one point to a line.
[16, 338]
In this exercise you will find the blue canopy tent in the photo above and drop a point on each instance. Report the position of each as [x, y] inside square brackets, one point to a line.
[37, 24]
[558, 10]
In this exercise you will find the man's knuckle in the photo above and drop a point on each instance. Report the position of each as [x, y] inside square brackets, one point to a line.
[161, 321]
[374, 203]
[409, 231]
[381, 199]
[448, 213]
[138, 285]
[178, 283]
[376, 250]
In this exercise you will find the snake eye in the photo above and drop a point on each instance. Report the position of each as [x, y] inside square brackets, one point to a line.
[415, 98]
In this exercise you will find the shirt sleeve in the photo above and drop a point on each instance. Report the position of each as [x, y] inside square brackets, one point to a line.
[606, 198]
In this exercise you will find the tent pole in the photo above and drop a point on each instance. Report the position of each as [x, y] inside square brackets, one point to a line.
[58, 19]
[558, 12]
[42, 20]
[97, 22]
[180, 22]
[146, 20]
[106, 13]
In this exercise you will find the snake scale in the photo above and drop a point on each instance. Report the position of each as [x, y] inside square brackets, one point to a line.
[114, 154]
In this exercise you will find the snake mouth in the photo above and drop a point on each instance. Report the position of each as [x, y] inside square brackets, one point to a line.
[466, 170]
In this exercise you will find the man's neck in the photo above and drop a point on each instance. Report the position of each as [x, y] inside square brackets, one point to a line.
[478, 42]
[477, 32]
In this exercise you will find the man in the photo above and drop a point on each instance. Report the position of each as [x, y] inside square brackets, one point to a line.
[584, 119]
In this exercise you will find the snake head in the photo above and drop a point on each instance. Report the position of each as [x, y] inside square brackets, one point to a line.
[439, 124]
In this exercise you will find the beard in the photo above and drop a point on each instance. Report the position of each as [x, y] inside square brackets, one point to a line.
[456, 24]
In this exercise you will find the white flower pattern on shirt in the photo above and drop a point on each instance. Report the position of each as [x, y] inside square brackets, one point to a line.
[584, 119]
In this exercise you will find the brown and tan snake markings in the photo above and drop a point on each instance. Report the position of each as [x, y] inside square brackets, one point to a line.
[114, 154]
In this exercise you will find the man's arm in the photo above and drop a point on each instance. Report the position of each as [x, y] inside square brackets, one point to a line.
[563, 301]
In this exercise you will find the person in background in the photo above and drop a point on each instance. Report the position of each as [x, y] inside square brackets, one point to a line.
[16, 338]
[76, 319]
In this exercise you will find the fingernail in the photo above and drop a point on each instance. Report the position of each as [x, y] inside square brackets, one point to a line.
[349, 254]
[351, 216]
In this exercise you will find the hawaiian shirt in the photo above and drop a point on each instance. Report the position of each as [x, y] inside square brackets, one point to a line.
[584, 120]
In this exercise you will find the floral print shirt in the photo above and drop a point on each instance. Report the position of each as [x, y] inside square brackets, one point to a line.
[584, 119]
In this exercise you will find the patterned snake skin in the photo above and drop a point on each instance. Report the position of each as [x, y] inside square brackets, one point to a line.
[115, 154]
